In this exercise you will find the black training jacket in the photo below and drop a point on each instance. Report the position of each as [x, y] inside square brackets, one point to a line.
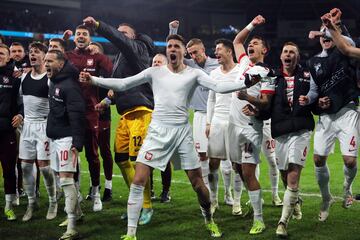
[9, 101]
[67, 107]
[132, 58]
[286, 119]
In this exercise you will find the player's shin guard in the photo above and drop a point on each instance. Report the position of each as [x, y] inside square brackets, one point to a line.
[256, 203]
[290, 199]
[205, 172]
[135, 202]
[127, 170]
[29, 181]
[213, 183]
[350, 174]
[71, 199]
[323, 176]
[49, 179]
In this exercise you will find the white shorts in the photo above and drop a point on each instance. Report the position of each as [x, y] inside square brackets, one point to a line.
[218, 139]
[244, 144]
[34, 144]
[62, 159]
[343, 125]
[268, 143]
[165, 142]
[292, 148]
[199, 127]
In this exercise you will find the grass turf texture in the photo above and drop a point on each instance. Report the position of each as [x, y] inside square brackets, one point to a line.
[181, 218]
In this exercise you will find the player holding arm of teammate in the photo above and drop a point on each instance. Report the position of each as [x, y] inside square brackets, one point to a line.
[341, 43]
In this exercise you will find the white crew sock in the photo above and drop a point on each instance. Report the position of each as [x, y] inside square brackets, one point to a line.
[323, 176]
[71, 200]
[135, 202]
[108, 184]
[290, 198]
[350, 174]
[205, 172]
[255, 200]
[49, 180]
[226, 169]
[274, 176]
[238, 186]
[8, 201]
[29, 181]
[213, 183]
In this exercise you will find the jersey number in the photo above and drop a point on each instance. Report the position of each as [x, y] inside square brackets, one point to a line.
[46, 146]
[137, 141]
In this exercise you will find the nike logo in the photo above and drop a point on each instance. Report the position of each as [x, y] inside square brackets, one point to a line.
[303, 160]
[352, 150]
[62, 165]
[247, 157]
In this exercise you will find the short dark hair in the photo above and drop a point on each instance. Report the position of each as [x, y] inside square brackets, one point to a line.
[59, 54]
[263, 41]
[99, 46]
[194, 41]
[17, 44]
[3, 45]
[128, 25]
[84, 28]
[292, 44]
[227, 43]
[39, 46]
[59, 40]
[176, 37]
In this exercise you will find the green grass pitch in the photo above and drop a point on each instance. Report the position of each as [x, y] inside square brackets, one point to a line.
[181, 218]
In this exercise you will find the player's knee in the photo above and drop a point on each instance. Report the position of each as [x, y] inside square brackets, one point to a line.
[27, 167]
[350, 162]
[65, 181]
[203, 157]
[319, 161]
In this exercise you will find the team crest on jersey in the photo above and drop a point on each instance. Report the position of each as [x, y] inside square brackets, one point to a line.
[148, 156]
[90, 62]
[197, 145]
[57, 92]
[318, 69]
[6, 79]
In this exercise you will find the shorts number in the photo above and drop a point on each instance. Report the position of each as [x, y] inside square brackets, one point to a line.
[352, 142]
[270, 144]
[46, 146]
[248, 148]
[64, 155]
[137, 141]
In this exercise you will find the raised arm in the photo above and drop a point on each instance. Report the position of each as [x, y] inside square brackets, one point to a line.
[343, 43]
[241, 37]
[118, 84]
[174, 27]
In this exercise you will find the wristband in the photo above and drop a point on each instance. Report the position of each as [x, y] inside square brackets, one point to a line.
[250, 27]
